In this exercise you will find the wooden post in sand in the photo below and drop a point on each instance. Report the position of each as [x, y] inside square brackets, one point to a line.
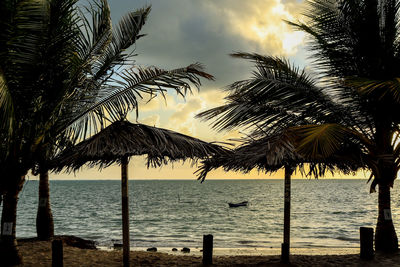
[125, 210]
[207, 249]
[366, 243]
[57, 257]
[285, 249]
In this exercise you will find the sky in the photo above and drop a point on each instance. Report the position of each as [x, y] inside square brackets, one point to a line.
[181, 32]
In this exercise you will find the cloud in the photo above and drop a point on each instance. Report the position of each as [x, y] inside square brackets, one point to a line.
[179, 115]
[186, 110]
[262, 22]
[183, 118]
[213, 97]
[181, 32]
[153, 120]
[159, 102]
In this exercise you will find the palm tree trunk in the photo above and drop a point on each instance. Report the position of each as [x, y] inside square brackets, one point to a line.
[385, 234]
[285, 250]
[44, 217]
[9, 253]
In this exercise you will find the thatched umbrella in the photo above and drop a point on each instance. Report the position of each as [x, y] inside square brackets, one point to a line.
[121, 140]
[272, 153]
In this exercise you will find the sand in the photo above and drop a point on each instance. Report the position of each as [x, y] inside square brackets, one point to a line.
[38, 253]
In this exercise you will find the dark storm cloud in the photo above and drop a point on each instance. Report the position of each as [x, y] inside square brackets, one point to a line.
[181, 32]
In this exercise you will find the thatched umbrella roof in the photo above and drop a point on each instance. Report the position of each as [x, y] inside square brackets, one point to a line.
[122, 139]
[271, 153]
[125, 139]
[274, 152]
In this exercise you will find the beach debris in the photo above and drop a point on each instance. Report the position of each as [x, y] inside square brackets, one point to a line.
[77, 242]
[153, 249]
[174, 249]
[69, 240]
[185, 250]
[117, 246]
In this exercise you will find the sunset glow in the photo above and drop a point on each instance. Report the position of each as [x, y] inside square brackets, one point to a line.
[254, 26]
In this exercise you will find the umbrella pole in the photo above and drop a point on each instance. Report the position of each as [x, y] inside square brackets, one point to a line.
[125, 210]
[286, 220]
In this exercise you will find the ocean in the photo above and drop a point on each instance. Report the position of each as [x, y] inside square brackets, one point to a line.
[177, 213]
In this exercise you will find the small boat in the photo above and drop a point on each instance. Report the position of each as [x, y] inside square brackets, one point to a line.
[234, 205]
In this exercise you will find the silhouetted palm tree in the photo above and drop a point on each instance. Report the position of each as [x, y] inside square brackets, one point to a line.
[353, 98]
[65, 72]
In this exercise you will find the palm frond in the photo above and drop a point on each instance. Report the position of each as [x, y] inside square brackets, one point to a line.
[20, 41]
[7, 116]
[88, 73]
[56, 53]
[114, 102]
[318, 141]
[322, 141]
[339, 32]
[95, 35]
[390, 27]
[376, 89]
[277, 89]
[123, 37]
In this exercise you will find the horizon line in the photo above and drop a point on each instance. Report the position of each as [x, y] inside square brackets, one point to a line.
[195, 179]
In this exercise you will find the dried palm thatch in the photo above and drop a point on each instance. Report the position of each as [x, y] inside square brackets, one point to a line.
[271, 153]
[124, 139]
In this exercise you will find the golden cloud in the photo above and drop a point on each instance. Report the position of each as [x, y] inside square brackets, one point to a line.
[153, 120]
[262, 21]
[159, 102]
[185, 111]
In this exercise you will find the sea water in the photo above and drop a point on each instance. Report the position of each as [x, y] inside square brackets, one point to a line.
[177, 213]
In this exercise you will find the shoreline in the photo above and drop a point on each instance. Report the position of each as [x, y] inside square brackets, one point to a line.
[78, 242]
[245, 251]
[38, 253]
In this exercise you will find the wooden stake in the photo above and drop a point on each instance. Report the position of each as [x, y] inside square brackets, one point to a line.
[57, 253]
[125, 211]
[207, 249]
[366, 243]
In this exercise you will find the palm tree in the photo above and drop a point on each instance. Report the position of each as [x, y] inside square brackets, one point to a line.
[271, 153]
[65, 73]
[352, 99]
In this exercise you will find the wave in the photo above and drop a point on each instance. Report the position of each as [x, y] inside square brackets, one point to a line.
[345, 238]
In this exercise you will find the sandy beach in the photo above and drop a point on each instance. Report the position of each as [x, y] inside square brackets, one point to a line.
[38, 253]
